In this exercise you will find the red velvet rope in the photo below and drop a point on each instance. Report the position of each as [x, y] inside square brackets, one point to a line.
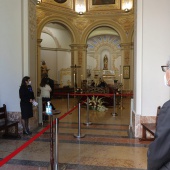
[95, 94]
[67, 113]
[10, 156]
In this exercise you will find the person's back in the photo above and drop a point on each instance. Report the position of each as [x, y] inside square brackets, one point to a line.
[45, 94]
[159, 149]
[51, 84]
[45, 91]
[101, 84]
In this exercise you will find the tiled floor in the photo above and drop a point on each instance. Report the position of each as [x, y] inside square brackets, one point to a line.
[108, 143]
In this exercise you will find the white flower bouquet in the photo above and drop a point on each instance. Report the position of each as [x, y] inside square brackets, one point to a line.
[96, 103]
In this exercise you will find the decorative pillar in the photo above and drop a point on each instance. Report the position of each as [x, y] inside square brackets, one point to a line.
[38, 61]
[79, 58]
[127, 60]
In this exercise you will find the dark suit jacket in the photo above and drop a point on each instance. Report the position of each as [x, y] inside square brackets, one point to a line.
[159, 149]
[26, 93]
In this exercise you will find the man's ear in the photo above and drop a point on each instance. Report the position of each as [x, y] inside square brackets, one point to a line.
[168, 76]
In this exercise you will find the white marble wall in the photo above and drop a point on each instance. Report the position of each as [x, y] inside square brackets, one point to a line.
[136, 124]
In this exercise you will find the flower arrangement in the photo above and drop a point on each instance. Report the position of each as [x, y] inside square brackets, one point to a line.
[96, 103]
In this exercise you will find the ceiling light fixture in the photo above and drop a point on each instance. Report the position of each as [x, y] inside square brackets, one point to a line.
[127, 6]
[39, 1]
[80, 6]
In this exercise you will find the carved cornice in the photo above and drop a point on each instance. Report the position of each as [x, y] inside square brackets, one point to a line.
[77, 47]
[80, 23]
[55, 49]
[126, 46]
[83, 22]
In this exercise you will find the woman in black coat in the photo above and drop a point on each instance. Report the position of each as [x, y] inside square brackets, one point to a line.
[27, 97]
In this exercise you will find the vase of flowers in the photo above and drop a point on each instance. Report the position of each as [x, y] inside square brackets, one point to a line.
[96, 103]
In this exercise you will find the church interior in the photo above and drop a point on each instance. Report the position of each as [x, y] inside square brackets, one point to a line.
[100, 55]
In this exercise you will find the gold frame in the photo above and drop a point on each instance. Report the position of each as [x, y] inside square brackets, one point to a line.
[68, 4]
[117, 5]
[126, 72]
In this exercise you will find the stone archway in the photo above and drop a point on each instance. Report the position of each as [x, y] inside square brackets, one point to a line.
[104, 41]
[125, 45]
[48, 20]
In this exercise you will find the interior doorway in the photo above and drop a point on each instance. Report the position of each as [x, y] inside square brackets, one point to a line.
[55, 52]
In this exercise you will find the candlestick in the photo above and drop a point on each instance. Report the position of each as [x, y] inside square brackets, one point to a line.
[74, 79]
[120, 74]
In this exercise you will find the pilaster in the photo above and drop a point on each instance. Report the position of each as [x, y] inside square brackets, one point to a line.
[127, 60]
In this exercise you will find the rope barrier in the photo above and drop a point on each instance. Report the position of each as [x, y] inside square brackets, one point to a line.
[95, 94]
[10, 156]
[68, 113]
[14, 153]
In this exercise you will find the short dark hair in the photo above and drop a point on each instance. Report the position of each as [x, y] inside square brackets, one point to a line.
[44, 81]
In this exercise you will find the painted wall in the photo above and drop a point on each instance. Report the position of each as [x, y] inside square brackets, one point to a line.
[152, 35]
[10, 53]
[55, 34]
[14, 51]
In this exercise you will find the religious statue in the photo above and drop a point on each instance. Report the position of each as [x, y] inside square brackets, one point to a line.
[105, 63]
[44, 69]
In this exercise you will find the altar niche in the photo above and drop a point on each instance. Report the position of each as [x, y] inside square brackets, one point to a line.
[105, 63]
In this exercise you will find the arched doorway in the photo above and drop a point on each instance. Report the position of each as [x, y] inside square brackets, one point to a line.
[104, 45]
[55, 52]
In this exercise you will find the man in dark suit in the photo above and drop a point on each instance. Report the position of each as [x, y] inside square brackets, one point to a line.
[159, 149]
